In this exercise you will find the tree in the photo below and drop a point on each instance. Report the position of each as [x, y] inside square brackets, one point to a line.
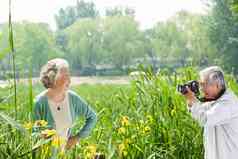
[113, 40]
[122, 41]
[223, 33]
[86, 10]
[195, 31]
[119, 11]
[84, 43]
[68, 16]
[181, 39]
[34, 43]
[169, 43]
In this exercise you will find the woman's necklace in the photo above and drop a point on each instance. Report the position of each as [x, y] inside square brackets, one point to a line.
[58, 108]
[59, 105]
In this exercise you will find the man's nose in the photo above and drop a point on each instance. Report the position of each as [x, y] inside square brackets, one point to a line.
[202, 88]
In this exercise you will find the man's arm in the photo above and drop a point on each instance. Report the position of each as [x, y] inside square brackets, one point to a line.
[198, 111]
[209, 113]
[220, 113]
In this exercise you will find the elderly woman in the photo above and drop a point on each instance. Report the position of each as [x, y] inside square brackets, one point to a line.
[218, 115]
[61, 107]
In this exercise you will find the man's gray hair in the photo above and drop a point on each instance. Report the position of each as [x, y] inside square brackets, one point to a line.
[213, 74]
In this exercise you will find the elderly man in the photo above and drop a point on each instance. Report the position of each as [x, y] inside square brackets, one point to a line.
[218, 115]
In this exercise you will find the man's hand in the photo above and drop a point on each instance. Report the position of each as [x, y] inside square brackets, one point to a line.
[72, 141]
[190, 96]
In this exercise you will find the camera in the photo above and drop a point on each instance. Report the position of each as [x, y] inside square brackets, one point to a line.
[193, 85]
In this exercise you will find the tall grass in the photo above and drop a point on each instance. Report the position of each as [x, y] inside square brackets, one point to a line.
[145, 119]
[150, 103]
[11, 45]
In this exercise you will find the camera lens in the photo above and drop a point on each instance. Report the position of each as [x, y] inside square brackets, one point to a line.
[182, 89]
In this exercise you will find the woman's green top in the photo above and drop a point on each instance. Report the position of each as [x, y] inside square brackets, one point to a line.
[78, 108]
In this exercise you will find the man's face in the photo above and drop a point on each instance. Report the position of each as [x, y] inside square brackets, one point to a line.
[210, 90]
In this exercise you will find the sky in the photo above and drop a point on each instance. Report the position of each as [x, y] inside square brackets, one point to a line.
[148, 12]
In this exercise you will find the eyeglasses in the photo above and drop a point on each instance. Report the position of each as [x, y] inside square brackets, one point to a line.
[203, 84]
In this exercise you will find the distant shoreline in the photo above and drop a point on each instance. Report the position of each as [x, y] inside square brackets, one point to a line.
[81, 80]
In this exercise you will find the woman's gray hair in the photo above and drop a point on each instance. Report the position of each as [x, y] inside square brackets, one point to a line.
[213, 74]
[50, 71]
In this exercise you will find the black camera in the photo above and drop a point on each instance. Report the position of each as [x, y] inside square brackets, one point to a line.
[193, 85]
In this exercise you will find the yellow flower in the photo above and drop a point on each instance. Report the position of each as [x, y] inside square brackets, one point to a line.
[125, 153]
[149, 118]
[48, 133]
[90, 151]
[127, 141]
[28, 125]
[173, 112]
[92, 148]
[41, 123]
[57, 141]
[121, 130]
[146, 129]
[125, 121]
[123, 148]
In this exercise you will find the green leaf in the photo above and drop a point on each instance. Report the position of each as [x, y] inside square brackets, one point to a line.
[40, 143]
[13, 123]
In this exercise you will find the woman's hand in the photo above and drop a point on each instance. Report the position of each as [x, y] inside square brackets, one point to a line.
[72, 141]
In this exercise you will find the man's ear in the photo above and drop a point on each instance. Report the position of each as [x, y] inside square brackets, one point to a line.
[219, 88]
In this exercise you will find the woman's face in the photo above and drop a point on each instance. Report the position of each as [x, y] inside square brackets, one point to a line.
[63, 79]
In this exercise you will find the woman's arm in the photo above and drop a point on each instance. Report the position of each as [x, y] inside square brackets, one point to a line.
[81, 109]
[85, 110]
[36, 111]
